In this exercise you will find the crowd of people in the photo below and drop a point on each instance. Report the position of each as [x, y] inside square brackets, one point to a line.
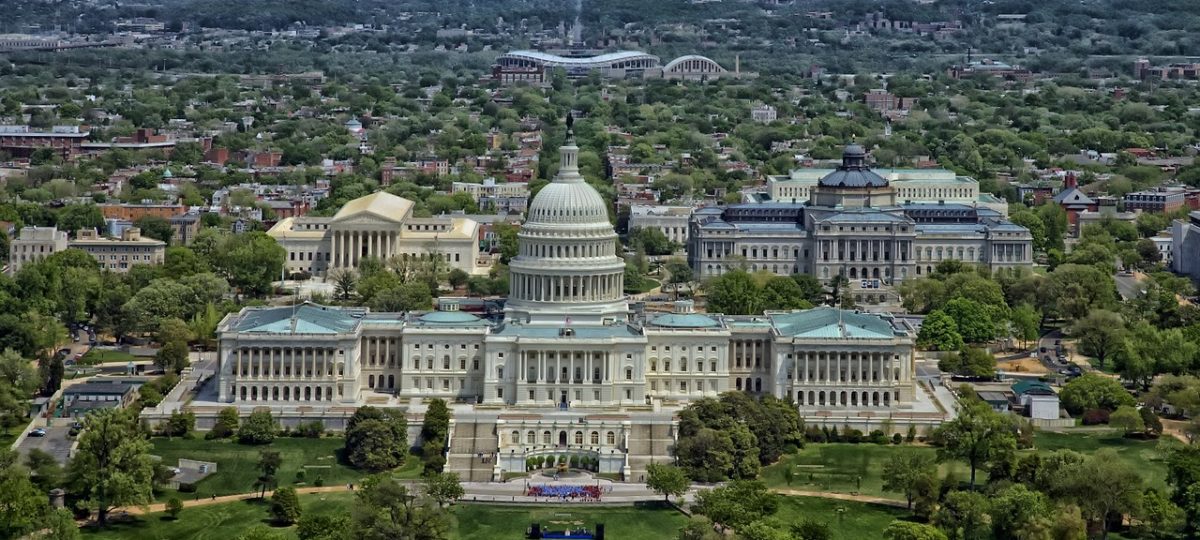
[573, 493]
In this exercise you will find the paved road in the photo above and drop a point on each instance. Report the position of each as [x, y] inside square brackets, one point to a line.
[1128, 286]
[56, 443]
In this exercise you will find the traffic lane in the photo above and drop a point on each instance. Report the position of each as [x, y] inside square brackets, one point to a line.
[56, 442]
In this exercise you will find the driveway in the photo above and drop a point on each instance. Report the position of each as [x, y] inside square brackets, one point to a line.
[1129, 286]
[56, 443]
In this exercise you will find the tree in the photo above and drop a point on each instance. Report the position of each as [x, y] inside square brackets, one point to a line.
[323, 527]
[1157, 515]
[654, 241]
[1027, 323]
[903, 471]
[413, 296]
[734, 293]
[60, 524]
[699, 528]
[763, 529]
[226, 424]
[810, 529]
[268, 464]
[1094, 391]
[1016, 510]
[974, 319]
[1103, 485]
[1128, 420]
[285, 506]
[435, 428]
[666, 480]
[179, 424]
[259, 428]
[385, 510]
[21, 504]
[978, 435]
[907, 530]
[172, 357]
[939, 332]
[737, 504]
[1101, 333]
[260, 532]
[457, 278]
[783, 293]
[155, 227]
[376, 439]
[112, 465]
[250, 261]
[344, 281]
[45, 471]
[970, 362]
[964, 514]
[443, 488]
[18, 381]
[174, 507]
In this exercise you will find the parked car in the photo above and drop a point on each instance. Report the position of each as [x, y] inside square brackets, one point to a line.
[39, 432]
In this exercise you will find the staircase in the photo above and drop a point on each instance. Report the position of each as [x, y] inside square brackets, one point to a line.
[468, 440]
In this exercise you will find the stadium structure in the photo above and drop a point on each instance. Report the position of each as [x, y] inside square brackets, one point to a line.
[532, 67]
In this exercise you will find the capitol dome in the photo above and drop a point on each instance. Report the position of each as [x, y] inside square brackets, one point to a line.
[567, 270]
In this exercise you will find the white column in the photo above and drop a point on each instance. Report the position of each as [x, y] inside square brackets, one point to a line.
[333, 247]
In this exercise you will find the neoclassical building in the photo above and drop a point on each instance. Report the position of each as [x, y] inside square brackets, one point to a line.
[568, 368]
[380, 225]
[853, 224]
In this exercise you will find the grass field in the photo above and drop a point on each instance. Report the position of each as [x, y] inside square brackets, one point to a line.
[480, 522]
[100, 356]
[1142, 455]
[846, 468]
[237, 464]
[214, 522]
[838, 467]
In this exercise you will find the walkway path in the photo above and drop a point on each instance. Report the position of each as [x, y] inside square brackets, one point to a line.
[161, 507]
[841, 497]
[502, 492]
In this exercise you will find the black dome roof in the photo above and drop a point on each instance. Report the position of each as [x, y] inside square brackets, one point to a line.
[854, 171]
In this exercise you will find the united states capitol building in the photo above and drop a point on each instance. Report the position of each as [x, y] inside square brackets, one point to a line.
[569, 369]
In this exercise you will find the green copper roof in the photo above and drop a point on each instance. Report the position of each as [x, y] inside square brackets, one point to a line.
[302, 319]
[830, 323]
[684, 320]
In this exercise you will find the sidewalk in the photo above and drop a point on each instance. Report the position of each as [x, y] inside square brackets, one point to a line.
[512, 492]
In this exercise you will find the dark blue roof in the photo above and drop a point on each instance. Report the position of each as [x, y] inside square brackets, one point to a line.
[854, 171]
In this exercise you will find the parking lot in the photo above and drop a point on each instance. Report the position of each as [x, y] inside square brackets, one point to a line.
[56, 443]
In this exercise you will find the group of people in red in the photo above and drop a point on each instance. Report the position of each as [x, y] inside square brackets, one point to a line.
[581, 493]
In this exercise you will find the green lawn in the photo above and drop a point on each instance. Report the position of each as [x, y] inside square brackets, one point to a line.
[483, 522]
[1142, 455]
[214, 522]
[837, 467]
[855, 521]
[101, 356]
[237, 464]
